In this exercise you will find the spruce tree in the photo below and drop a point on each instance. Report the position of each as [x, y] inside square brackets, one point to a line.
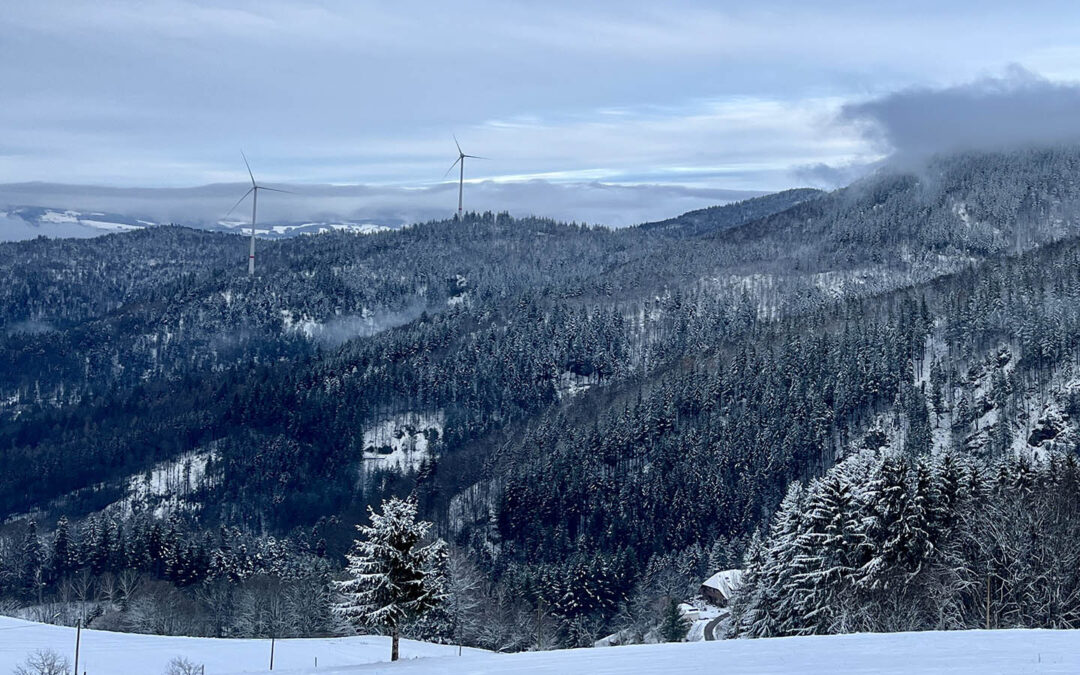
[30, 572]
[392, 577]
[62, 557]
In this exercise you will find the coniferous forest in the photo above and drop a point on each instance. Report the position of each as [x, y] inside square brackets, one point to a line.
[866, 399]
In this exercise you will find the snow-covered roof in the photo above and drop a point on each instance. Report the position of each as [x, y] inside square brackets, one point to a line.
[725, 581]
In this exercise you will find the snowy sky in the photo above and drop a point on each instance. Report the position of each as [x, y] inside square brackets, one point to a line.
[702, 95]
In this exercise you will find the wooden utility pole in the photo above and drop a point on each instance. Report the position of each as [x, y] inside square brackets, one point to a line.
[271, 652]
[78, 639]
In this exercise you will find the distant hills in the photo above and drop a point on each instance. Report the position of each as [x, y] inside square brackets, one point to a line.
[26, 222]
[29, 210]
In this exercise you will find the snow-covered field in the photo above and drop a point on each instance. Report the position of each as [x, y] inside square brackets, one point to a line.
[960, 653]
[105, 653]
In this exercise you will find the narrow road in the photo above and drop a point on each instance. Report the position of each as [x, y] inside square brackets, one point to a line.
[709, 627]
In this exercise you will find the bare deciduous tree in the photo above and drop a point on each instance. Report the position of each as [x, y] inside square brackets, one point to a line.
[44, 662]
[181, 666]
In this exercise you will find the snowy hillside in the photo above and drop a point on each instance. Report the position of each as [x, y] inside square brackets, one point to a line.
[1004, 652]
[105, 653]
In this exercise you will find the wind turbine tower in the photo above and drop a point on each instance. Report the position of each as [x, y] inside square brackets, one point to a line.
[460, 162]
[254, 192]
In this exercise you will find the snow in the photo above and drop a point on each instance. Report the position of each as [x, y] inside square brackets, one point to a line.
[60, 217]
[75, 217]
[304, 324]
[570, 384]
[706, 614]
[406, 437]
[165, 486]
[1003, 652]
[688, 611]
[960, 210]
[108, 226]
[976, 652]
[107, 653]
[725, 581]
[320, 228]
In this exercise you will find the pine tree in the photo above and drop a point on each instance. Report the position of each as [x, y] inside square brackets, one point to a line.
[392, 578]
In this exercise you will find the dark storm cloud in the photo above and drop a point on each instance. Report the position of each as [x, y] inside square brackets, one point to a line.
[1017, 109]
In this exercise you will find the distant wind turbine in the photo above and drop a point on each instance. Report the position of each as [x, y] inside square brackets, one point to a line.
[254, 191]
[461, 179]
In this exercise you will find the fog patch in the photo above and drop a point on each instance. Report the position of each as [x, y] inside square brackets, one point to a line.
[831, 177]
[30, 327]
[341, 329]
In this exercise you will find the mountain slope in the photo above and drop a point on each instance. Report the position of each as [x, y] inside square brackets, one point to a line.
[719, 218]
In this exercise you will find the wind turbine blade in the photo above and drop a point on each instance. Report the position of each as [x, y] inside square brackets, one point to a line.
[288, 192]
[451, 167]
[238, 202]
[476, 157]
[458, 145]
[248, 168]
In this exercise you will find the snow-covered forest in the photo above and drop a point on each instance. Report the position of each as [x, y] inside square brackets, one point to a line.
[866, 398]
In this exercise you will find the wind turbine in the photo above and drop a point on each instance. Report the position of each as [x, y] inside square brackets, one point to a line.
[254, 191]
[461, 179]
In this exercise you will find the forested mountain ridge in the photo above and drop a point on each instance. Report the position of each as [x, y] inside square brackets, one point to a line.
[719, 218]
[591, 416]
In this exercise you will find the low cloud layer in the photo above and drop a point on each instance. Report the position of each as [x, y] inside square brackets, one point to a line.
[591, 202]
[1014, 110]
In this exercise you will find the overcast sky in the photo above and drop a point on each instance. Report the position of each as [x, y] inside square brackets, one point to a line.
[708, 95]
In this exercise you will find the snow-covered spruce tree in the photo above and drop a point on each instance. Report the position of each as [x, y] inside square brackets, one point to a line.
[62, 561]
[764, 609]
[391, 577]
[825, 563]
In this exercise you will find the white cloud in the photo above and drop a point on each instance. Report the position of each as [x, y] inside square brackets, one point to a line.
[701, 93]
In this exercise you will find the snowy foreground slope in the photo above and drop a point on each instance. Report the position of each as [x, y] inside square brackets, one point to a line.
[105, 653]
[958, 653]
